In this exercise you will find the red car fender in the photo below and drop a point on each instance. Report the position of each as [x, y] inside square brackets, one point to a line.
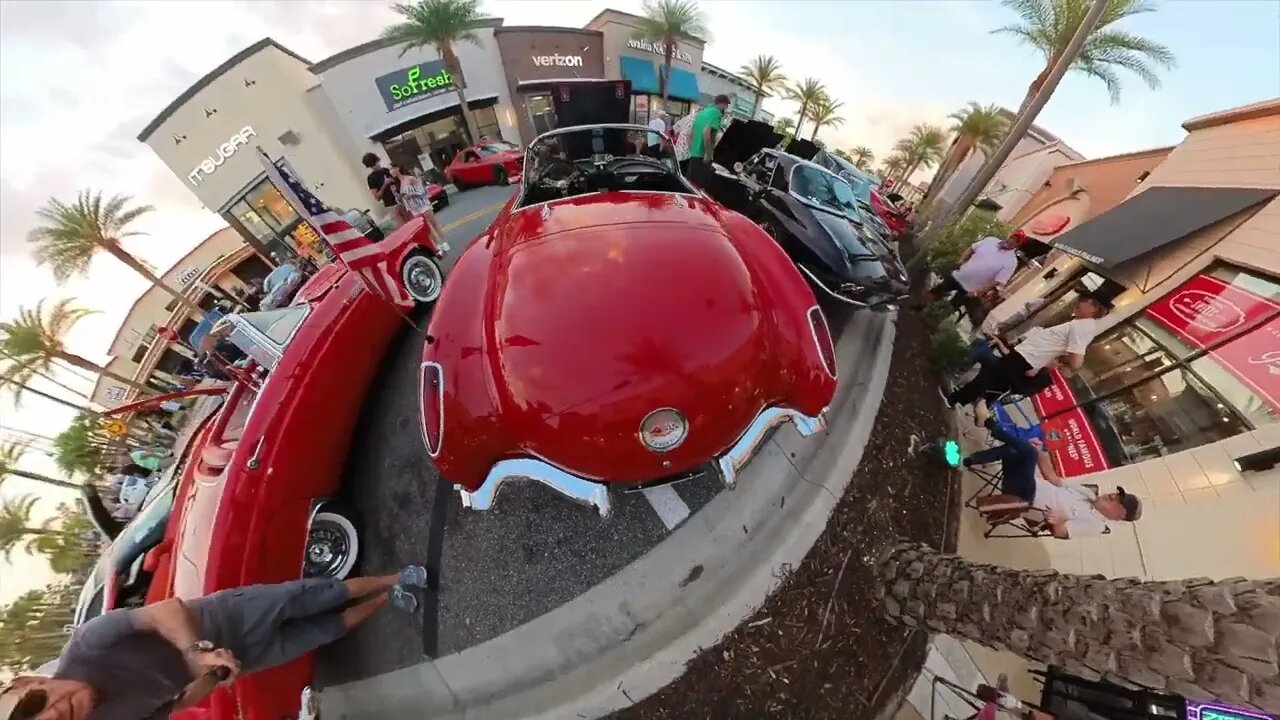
[456, 344]
[793, 298]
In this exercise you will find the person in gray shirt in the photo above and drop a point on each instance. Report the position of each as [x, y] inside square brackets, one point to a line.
[143, 663]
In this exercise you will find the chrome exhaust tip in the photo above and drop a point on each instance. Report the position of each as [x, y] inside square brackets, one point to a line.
[309, 706]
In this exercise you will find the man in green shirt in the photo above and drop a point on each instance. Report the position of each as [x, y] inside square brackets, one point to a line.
[706, 127]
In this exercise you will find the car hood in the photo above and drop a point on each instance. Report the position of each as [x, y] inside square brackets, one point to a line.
[593, 326]
[858, 256]
[742, 139]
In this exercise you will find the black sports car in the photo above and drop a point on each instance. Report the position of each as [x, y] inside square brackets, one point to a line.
[812, 213]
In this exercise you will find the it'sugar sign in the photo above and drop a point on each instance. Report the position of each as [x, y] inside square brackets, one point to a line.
[225, 150]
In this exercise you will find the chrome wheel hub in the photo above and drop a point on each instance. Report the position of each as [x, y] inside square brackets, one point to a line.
[327, 550]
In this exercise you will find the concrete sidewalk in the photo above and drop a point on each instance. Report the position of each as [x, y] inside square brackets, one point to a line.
[633, 633]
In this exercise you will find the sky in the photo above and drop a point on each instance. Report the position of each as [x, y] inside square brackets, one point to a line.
[79, 80]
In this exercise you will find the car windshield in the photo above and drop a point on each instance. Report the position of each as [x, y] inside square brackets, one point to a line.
[824, 189]
[495, 148]
[598, 158]
[148, 525]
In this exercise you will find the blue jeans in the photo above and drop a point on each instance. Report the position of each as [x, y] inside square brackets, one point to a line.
[981, 351]
[1017, 458]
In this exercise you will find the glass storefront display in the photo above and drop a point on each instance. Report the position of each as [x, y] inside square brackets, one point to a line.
[1197, 365]
[430, 147]
[264, 213]
[644, 108]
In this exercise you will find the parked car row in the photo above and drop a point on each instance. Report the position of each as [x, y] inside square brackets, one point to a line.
[614, 327]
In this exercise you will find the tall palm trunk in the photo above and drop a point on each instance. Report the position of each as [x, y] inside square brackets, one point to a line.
[668, 50]
[804, 108]
[755, 104]
[60, 401]
[459, 86]
[814, 135]
[50, 378]
[85, 364]
[41, 478]
[1037, 83]
[960, 152]
[118, 253]
[1196, 637]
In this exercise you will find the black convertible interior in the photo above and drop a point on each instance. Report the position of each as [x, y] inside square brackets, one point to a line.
[596, 158]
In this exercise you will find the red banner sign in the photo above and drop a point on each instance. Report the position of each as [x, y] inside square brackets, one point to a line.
[1204, 310]
[1069, 438]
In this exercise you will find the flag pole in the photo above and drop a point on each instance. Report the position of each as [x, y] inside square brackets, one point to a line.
[273, 170]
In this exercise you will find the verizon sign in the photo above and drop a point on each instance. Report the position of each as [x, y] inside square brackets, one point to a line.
[208, 165]
[557, 60]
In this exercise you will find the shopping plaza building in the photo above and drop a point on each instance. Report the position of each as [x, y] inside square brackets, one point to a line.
[321, 117]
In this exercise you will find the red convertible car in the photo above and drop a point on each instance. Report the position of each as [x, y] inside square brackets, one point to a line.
[616, 327]
[486, 163]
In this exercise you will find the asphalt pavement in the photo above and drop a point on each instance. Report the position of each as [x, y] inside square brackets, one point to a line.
[490, 571]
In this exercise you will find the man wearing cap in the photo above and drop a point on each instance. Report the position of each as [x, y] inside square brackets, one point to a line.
[1028, 478]
[1041, 348]
[985, 265]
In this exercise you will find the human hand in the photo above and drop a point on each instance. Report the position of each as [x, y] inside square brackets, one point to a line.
[218, 663]
[1031, 373]
[1054, 517]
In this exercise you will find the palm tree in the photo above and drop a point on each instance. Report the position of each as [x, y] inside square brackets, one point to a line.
[862, 157]
[824, 115]
[11, 453]
[442, 24]
[666, 21]
[763, 74]
[784, 125]
[72, 234]
[893, 166]
[976, 127]
[921, 148]
[1182, 635]
[808, 93]
[1048, 25]
[36, 339]
[15, 522]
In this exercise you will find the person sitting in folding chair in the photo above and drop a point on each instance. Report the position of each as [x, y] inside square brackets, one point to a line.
[1030, 482]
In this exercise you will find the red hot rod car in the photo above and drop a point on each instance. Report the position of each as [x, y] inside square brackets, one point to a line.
[615, 326]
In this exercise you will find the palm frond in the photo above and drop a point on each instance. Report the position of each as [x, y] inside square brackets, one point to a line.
[440, 24]
[662, 20]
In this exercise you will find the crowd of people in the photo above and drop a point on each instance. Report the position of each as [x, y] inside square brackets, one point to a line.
[1029, 483]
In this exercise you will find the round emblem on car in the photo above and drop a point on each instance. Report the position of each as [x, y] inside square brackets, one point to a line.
[663, 430]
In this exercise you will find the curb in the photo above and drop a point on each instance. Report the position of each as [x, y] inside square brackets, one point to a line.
[635, 632]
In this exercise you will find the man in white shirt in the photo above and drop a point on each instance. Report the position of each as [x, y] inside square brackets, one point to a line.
[1070, 508]
[1042, 348]
[985, 265]
[657, 128]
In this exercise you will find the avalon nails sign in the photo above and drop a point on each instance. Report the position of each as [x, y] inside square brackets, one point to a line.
[208, 165]
[414, 84]
[659, 48]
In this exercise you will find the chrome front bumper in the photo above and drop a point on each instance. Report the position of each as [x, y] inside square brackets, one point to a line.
[596, 494]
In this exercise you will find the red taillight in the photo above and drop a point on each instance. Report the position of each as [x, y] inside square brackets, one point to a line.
[822, 337]
[432, 391]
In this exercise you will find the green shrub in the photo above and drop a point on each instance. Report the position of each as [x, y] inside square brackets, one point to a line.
[944, 253]
[936, 312]
[948, 351]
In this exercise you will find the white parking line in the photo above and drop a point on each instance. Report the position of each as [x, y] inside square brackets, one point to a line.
[667, 503]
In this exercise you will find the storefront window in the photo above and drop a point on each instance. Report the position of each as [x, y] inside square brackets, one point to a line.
[542, 114]
[271, 206]
[1165, 414]
[251, 220]
[487, 123]
[1197, 365]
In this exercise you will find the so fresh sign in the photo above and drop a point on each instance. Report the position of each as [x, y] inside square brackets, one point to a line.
[414, 84]
[208, 165]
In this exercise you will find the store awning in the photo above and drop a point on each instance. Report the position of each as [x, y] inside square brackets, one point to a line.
[1155, 218]
[642, 74]
[684, 85]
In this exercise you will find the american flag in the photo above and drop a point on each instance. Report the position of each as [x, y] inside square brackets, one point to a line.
[353, 248]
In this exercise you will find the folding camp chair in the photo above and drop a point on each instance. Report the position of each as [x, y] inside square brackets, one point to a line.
[1006, 517]
[1000, 406]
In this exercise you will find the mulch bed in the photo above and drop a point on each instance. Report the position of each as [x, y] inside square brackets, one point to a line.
[820, 647]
